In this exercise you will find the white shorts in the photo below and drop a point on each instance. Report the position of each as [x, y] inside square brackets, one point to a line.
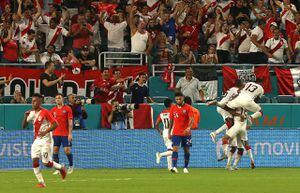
[42, 149]
[245, 102]
[238, 128]
[236, 141]
[167, 141]
[223, 113]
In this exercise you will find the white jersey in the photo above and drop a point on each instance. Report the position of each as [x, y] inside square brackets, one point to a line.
[244, 42]
[253, 90]
[164, 116]
[260, 39]
[41, 121]
[229, 95]
[28, 45]
[139, 42]
[277, 48]
[223, 41]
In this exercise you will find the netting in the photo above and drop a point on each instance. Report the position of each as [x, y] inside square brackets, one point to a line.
[137, 148]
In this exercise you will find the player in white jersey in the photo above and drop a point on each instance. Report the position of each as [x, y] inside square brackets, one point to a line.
[43, 124]
[227, 117]
[164, 117]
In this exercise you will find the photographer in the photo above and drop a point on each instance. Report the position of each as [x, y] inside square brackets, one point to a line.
[79, 112]
[119, 114]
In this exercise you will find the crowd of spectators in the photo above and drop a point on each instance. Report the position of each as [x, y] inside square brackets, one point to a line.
[169, 31]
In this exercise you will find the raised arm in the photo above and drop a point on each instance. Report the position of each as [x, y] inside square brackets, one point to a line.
[39, 11]
[131, 19]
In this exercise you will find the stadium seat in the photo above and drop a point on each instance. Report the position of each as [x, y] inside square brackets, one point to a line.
[264, 99]
[159, 99]
[7, 99]
[285, 99]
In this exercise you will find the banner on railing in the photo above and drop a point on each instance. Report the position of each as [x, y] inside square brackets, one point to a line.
[28, 80]
[288, 81]
[248, 75]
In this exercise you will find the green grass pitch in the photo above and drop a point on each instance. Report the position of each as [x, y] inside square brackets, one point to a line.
[260, 180]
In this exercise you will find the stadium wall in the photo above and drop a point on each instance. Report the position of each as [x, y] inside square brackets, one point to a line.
[276, 116]
[136, 149]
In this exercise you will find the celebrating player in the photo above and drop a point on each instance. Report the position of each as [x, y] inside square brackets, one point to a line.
[43, 124]
[164, 117]
[182, 119]
[62, 135]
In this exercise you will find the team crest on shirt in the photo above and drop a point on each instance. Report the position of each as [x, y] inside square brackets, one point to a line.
[54, 114]
[64, 111]
[184, 111]
[40, 118]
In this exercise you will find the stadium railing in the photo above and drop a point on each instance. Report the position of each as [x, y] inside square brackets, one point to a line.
[113, 59]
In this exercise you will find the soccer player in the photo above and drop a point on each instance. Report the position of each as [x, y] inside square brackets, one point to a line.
[227, 117]
[62, 135]
[182, 119]
[43, 125]
[164, 117]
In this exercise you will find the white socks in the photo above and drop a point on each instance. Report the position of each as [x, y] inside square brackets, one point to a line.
[38, 175]
[237, 159]
[249, 152]
[256, 115]
[57, 165]
[169, 161]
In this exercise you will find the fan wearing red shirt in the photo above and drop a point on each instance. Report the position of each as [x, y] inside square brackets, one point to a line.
[62, 135]
[182, 119]
[102, 87]
[119, 87]
[82, 33]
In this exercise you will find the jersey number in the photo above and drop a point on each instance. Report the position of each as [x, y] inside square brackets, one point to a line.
[251, 88]
[45, 155]
[166, 123]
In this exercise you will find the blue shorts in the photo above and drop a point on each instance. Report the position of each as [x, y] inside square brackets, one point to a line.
[186, 141]
[62, 140]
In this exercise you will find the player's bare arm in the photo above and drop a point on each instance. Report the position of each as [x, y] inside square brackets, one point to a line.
[24, 122]
[157, 126]
[70, 136]
[191, 122]
[49, 129]
[170, 129]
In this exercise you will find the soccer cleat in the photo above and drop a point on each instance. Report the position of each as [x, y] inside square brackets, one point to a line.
[158, 157]
[41, 185]
[213, 136]
[56, 172]
[185, 171]
[174, 170]
[252, 165]
[229, 168]
[70, 169]
[235, 167]
[63, 172]
[223, 156]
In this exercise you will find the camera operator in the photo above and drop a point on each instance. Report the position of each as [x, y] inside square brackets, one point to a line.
[120, 114]
[79, 112]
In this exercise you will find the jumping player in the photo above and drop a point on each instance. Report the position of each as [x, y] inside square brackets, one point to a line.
[164, 117]
[182, 119]
[43, 125]
[62, 135]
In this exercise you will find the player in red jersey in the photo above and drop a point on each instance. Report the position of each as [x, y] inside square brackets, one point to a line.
[62, 135]
[43, 125]
[182, 119]
[102, 87]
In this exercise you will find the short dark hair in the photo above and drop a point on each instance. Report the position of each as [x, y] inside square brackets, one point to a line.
[104, 69]
[116, 70]
[259, 80]
[37, 95]
[239, 82]
[179, 94]
[167, 102]
[30, 32]
[47, 64]
[52, 45]
[59, 94]
[188, 100]
[55, 20]
[141, 74]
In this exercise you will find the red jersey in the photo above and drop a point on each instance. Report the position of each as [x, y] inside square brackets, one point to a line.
[41, 122]
[83, 38]
[102, 88]
[192, 41]
[62, 116]
[181, 116]
[10, 51]
[294, 36]
[117, 94]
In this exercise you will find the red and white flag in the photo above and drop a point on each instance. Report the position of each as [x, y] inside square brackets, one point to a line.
[288, 81]
[230, 75]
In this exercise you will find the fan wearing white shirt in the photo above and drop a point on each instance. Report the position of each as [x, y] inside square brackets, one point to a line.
[257, 48]
[276, 47]
[50, 55]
